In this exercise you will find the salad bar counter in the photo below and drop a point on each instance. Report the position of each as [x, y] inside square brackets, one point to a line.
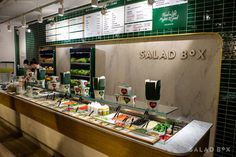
[110, 129]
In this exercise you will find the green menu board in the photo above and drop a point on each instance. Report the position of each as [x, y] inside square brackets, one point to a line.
[170, 17]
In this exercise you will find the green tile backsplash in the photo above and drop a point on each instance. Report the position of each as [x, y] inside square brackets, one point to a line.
[203, 16]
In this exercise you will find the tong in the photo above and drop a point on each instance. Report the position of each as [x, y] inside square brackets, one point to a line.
[172, 128]
[164, 136]
[126, 118]
[117, 112]
[145, 124]
[132, 120]
[54, 96]
[146, 115]
[47, 97]
[59, 102]
[77, 109]
[91, 113]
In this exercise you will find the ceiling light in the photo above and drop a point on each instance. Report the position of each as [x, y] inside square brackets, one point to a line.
[61, 10]
[94, 3]
[9, 27]
[23, 22]
[40, 19]
[28, 30]
[35, 9]
[150, 2]
[104, 11]
[40, 16]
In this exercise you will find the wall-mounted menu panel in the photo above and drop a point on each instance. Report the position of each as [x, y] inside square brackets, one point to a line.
[138, 12]
[62, 37]
[76, 20]
[138, 27]
[113, 21]
[76, 35]
[76, 27]
[50, 26]
[138, 17]
[123, 16]
[166, 3]
[93, 25]
[62, 33]
[63, 23]
[65, 30]
[50, 33]
[50, 38]
[170, 14]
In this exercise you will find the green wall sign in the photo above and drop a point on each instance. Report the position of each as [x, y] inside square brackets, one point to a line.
[170, 17]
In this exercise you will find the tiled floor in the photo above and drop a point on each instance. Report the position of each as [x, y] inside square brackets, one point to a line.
[14, 144]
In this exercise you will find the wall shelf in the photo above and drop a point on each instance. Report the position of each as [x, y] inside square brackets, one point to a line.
[82, 60]
[47, 59]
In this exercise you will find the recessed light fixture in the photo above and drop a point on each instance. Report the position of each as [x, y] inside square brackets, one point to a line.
[28, 30]
[150, 2]
[94, 3]
[61, 10]
[40, 17]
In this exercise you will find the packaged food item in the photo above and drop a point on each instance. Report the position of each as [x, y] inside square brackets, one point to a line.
[98, 109]
[127, 100]
[125, 90]
[151, 125]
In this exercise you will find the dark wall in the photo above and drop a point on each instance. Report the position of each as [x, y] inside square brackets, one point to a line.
[34, 40]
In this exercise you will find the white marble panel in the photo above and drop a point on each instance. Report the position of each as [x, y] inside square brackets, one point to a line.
[192, 85]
